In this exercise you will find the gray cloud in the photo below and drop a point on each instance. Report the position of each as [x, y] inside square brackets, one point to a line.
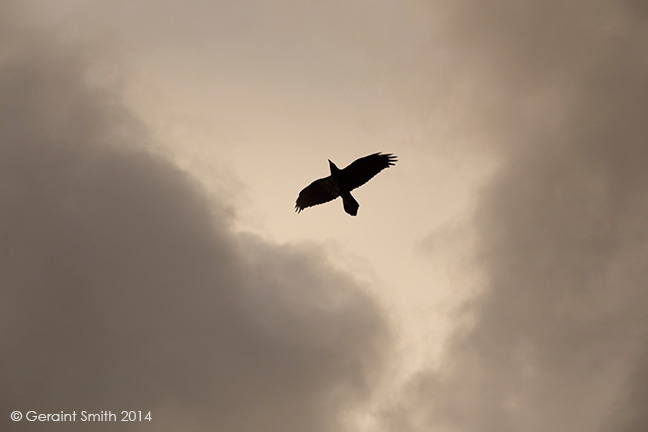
[124, 289]
[557, 333]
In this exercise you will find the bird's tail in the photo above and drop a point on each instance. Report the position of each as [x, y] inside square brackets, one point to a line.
[350, 204]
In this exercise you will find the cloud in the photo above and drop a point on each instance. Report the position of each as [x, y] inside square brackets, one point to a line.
[557, 338]
[124, 288]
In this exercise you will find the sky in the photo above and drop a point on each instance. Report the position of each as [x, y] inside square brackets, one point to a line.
[495, 279]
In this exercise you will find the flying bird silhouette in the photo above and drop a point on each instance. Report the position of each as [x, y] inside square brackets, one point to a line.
[342, 181]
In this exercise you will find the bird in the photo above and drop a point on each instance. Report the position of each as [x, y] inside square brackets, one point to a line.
[342, 181]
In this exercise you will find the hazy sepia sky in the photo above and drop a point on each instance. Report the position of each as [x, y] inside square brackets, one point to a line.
[495, 279]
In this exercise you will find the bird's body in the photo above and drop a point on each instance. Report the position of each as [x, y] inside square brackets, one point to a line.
[342, 181]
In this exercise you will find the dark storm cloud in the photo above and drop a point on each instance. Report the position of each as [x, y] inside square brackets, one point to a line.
[124, 289]
[558, 335]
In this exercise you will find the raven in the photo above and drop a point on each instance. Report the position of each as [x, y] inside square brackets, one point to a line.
[342, 181]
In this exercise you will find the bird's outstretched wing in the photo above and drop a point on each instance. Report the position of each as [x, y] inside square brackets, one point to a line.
[362, 170]
[320, 191]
